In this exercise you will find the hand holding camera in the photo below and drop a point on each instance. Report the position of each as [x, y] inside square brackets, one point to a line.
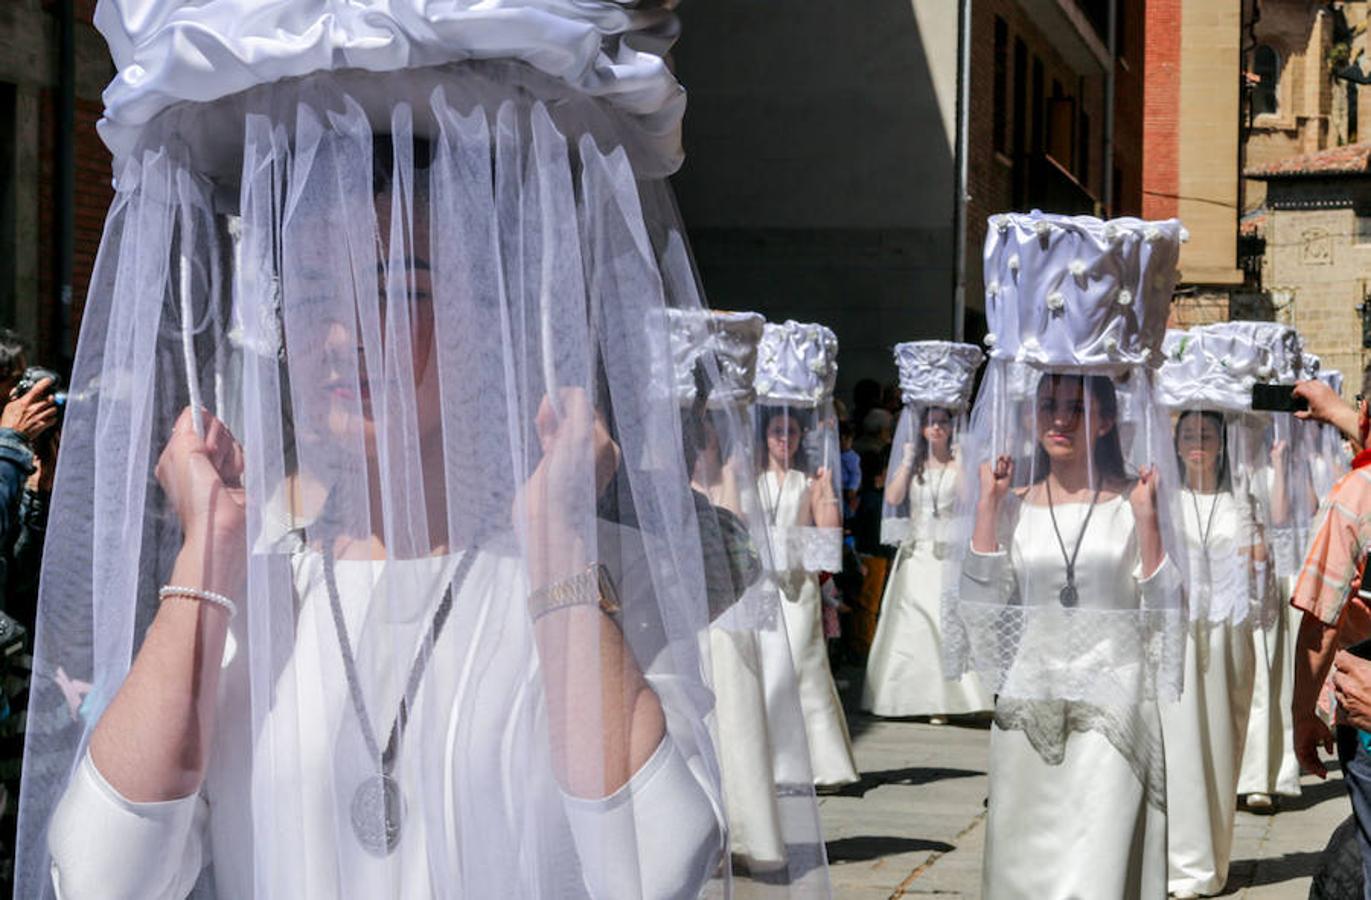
[35, 404]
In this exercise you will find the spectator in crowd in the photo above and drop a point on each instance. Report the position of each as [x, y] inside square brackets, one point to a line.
[877, 432]
[852, 468]
[1335, 618]
[866, 396]
[28, 456]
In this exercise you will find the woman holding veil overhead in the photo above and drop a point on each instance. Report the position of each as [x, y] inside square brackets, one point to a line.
[775, 837]
[798, 466]
[904, 675]
[1066, 593]
[1284, 491]
[381, 572]
[1207, 382]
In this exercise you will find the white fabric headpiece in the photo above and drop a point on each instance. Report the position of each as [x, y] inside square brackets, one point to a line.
[730, 338]
[1282, 341]
[797, 364]
[1078, 292]
[169, 51]
[940, 373]
[1212, 369]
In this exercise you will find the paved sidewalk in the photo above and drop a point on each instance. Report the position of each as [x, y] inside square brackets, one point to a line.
[914, 826]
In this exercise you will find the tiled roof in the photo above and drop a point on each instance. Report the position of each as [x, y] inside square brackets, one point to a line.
[1253, 224]
[1351, 159]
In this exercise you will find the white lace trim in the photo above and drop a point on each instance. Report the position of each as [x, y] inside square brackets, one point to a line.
[1049, 723]
[806, 548]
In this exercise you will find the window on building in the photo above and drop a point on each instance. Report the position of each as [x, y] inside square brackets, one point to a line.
[1351, 113]
[1039, 139]
[1266, 67]
[1001, 99]
[1364, 227]
[1083, 150]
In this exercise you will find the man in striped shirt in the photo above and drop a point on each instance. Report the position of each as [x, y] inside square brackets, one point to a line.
[1335, 617]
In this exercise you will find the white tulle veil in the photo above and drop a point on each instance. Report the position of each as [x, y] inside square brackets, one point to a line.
[395, 255]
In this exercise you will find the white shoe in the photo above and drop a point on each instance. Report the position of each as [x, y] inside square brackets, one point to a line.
[937, 720]
[1260, 801]
[1185, 895]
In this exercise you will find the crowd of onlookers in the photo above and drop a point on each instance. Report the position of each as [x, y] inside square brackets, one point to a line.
[866, 431]
[31, 406]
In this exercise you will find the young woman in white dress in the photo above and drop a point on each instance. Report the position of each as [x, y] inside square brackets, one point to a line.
[773, 837]
[1205, 731]
[431, 471]
[793, 499]
[1069, 600]
[904, 673]
[1077, 802]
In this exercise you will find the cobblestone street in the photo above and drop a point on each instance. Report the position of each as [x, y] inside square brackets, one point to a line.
[914, 825]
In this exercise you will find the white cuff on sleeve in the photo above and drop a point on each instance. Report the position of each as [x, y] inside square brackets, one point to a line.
[106, 846]
[658, 836]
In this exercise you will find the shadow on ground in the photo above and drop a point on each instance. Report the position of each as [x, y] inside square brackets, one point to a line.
[868, 847]
[909, 777]
[1250, 873]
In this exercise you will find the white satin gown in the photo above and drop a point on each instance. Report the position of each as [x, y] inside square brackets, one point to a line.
[271, 817]
[1205, 731]
[831, 762]
[904, 671]
[1077, 805]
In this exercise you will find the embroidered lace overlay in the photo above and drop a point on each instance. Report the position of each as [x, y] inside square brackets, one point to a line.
[1048, 724]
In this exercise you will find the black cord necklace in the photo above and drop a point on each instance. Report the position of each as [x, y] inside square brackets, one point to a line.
[378, 806]
[1068, 595]
[1206, 527]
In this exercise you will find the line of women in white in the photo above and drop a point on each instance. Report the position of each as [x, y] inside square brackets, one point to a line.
[1040, 581]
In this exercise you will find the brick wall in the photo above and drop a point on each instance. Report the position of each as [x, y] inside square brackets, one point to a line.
[93, 193]
[989, 172]
[1162, 109]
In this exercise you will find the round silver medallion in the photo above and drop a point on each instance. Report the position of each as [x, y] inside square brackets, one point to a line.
[1068, 596]
[378, 808]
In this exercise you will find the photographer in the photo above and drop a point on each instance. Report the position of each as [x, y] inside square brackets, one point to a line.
[1336, 617]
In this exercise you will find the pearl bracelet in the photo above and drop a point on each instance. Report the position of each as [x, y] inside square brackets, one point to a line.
[218, 600]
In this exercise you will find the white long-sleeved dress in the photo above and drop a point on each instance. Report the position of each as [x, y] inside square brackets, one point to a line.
[1077, 804]
[1205, 731]
[831, 762]
[904, 672]
[1269, 765]
[271, 816]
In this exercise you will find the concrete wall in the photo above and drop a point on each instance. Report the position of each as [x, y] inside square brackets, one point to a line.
[1209, 117]
[820, 174]
[818, 182]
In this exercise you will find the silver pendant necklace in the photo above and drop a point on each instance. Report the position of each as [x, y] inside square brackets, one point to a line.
[939, 547]
[378, 804]
[1068, 595]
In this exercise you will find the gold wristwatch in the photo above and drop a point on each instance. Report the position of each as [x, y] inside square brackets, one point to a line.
[592, 587]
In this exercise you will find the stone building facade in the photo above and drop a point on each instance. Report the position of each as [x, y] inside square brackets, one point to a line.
[1316, 270]
[30, 296]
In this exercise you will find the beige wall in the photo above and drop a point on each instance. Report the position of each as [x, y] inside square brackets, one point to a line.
[1208, 202]
[1316, 274]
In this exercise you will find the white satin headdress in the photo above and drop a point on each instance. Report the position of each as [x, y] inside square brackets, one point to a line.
[170, 52]
[797, 364]
[1077, 292]
[1282, 342]
[939, 373]
[725, 340]
[1212, 369]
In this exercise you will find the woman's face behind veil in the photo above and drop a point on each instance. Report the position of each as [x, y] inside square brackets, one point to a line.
[369, 368]
[1068, 423]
